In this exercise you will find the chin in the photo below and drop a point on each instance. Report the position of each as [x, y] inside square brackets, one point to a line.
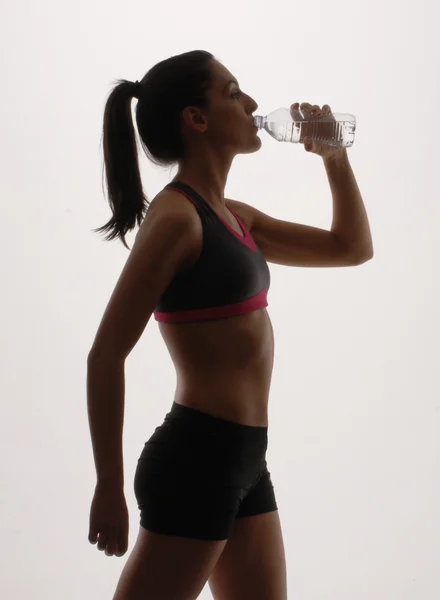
[255, 145]
[249, 147]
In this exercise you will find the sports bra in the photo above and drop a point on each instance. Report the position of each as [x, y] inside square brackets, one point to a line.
[230, 278]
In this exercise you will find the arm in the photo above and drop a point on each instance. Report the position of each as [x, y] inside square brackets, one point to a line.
[350, 220]
[161, 248]
[105, 405]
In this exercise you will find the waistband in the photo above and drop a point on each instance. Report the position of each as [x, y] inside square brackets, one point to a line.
[192, 415]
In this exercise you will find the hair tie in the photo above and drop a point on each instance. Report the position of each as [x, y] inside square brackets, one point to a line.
[137, 89]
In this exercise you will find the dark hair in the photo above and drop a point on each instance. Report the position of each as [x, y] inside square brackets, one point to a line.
[167, 88]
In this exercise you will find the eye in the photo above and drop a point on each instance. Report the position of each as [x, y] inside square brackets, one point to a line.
[236, 94]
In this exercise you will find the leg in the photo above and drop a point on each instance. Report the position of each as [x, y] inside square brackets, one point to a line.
[253, 563]
[166, 567]
[188, 485]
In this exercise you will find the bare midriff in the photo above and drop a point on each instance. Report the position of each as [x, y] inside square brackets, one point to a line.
[224, 367]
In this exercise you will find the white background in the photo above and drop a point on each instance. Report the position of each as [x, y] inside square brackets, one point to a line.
[355, 400]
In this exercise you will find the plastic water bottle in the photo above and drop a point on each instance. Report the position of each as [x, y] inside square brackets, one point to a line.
[333, 129]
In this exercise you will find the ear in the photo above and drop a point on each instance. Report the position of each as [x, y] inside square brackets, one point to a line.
[193, 118]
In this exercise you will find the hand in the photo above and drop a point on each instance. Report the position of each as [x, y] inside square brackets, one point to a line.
[109, 520]
[312, 114]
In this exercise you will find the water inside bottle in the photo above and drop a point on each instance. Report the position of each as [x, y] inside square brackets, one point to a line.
[338, 132]
[334, 133]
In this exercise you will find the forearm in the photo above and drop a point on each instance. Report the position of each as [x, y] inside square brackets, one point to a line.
[105, 405]
[350, 220]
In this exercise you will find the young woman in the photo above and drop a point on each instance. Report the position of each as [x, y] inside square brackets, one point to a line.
[199, 264]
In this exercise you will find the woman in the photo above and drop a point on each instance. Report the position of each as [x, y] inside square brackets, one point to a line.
[199, 263]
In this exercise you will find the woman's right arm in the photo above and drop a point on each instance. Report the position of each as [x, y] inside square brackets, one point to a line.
[163, 245]
[105, 406]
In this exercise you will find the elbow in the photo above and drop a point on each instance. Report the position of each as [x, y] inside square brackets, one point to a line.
[364, 258]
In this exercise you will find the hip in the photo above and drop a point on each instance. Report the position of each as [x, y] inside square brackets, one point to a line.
[194, 444]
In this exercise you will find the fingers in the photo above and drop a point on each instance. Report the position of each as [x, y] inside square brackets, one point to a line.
[111, 550]
[312, 109]
[102, 541]
[93, 537]
[309, 107]
[122, 549]
[108, 543]
[122, 543]
[111, 546]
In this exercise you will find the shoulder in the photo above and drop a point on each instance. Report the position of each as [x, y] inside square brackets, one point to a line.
[171, 203]
[169, 207]
[244, 211]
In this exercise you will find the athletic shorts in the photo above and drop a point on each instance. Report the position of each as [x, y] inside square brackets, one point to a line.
[198, 473]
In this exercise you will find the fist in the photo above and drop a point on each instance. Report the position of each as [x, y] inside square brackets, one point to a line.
[311, 114]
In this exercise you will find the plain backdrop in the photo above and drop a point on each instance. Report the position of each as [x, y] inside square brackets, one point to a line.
[355, 399]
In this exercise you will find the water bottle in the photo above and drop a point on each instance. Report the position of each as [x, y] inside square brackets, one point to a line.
[333, 129]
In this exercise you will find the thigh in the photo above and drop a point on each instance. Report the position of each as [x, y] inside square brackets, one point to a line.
[180, 505]
[164, 567]
[253, 563]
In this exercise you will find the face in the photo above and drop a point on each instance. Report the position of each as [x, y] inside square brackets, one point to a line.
[229, 123]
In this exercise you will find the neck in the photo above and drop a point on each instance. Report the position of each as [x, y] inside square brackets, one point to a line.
[207, 177]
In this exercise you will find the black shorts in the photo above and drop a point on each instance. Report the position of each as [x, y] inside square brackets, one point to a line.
[198, 473]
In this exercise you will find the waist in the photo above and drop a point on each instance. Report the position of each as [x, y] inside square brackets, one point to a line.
[239, 396]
